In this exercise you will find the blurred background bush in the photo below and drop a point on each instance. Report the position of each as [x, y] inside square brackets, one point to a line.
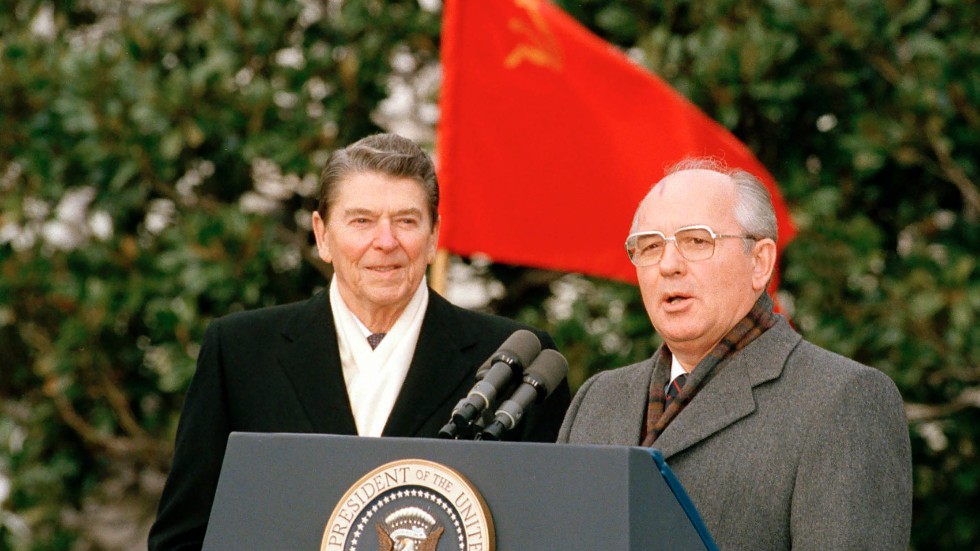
[158, 161]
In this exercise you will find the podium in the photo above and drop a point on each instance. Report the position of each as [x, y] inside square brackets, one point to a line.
[318, 491]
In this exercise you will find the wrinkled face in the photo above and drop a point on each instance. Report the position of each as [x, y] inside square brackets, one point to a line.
[379, 238]
[693, 304]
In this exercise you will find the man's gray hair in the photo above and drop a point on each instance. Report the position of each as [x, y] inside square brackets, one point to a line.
[387, 154]
[753, 204]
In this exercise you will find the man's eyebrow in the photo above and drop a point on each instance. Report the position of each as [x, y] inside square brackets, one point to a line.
[359, 211]
[411, 210]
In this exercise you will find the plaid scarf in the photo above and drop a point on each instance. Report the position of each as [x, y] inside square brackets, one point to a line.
[756, 322]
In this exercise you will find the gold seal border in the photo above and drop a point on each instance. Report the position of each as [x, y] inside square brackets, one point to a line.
[445, 481]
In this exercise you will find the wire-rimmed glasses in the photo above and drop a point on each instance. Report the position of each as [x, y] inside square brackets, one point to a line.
[646, 248]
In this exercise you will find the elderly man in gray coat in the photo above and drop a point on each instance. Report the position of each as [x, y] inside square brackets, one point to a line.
[779, 443]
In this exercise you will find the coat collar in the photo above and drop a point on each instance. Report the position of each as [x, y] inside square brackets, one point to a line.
[728, 396]
[311, 360]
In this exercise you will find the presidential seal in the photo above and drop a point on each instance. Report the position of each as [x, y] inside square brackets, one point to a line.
[410, 505]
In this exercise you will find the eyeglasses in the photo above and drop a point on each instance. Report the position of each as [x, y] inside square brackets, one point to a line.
[646, 248]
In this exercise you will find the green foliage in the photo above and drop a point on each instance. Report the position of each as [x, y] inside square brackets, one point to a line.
[156, 166]
[157, 162]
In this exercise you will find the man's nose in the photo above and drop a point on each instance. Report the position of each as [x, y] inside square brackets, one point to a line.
[672, 261]
[384, 235]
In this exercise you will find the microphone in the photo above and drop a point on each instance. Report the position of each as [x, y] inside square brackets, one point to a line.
[493, 376]
[540, 380]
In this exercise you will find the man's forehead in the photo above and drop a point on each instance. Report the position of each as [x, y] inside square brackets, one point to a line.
[377, 210]
[690, 186]
[697, 178]
[359, 195]
[695, 193]
[355, 190]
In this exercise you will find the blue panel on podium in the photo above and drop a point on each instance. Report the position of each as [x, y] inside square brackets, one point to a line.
[278, 491]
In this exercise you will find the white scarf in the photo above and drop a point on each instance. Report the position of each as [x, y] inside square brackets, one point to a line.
[374, 377]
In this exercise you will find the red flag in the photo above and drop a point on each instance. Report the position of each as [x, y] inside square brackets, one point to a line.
[549, 137]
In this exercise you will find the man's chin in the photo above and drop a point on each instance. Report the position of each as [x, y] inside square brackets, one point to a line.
[389, 294]
[677, 337]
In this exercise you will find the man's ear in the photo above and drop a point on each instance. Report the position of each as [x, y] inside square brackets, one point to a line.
[763, 263]
[320, 234]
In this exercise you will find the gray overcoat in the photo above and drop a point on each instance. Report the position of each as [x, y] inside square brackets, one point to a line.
[787, 446]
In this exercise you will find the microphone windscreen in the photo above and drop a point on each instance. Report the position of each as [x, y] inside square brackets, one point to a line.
[549, 368]
[523, 345]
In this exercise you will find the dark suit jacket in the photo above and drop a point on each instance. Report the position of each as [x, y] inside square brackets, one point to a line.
[787, 446]
[278, 370]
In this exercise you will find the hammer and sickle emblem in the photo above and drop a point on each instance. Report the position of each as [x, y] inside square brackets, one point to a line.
[538, 46]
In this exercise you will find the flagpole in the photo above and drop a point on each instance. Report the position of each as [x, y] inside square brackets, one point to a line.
[439, 272]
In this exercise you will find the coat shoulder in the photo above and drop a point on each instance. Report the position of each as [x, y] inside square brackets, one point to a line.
[612, 380]
[828, 369]
[273, 320]
[609, 407]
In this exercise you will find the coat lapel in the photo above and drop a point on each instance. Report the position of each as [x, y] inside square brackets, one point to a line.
[438, 368]
[311, 359]
[633, 397]
[728, 396]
